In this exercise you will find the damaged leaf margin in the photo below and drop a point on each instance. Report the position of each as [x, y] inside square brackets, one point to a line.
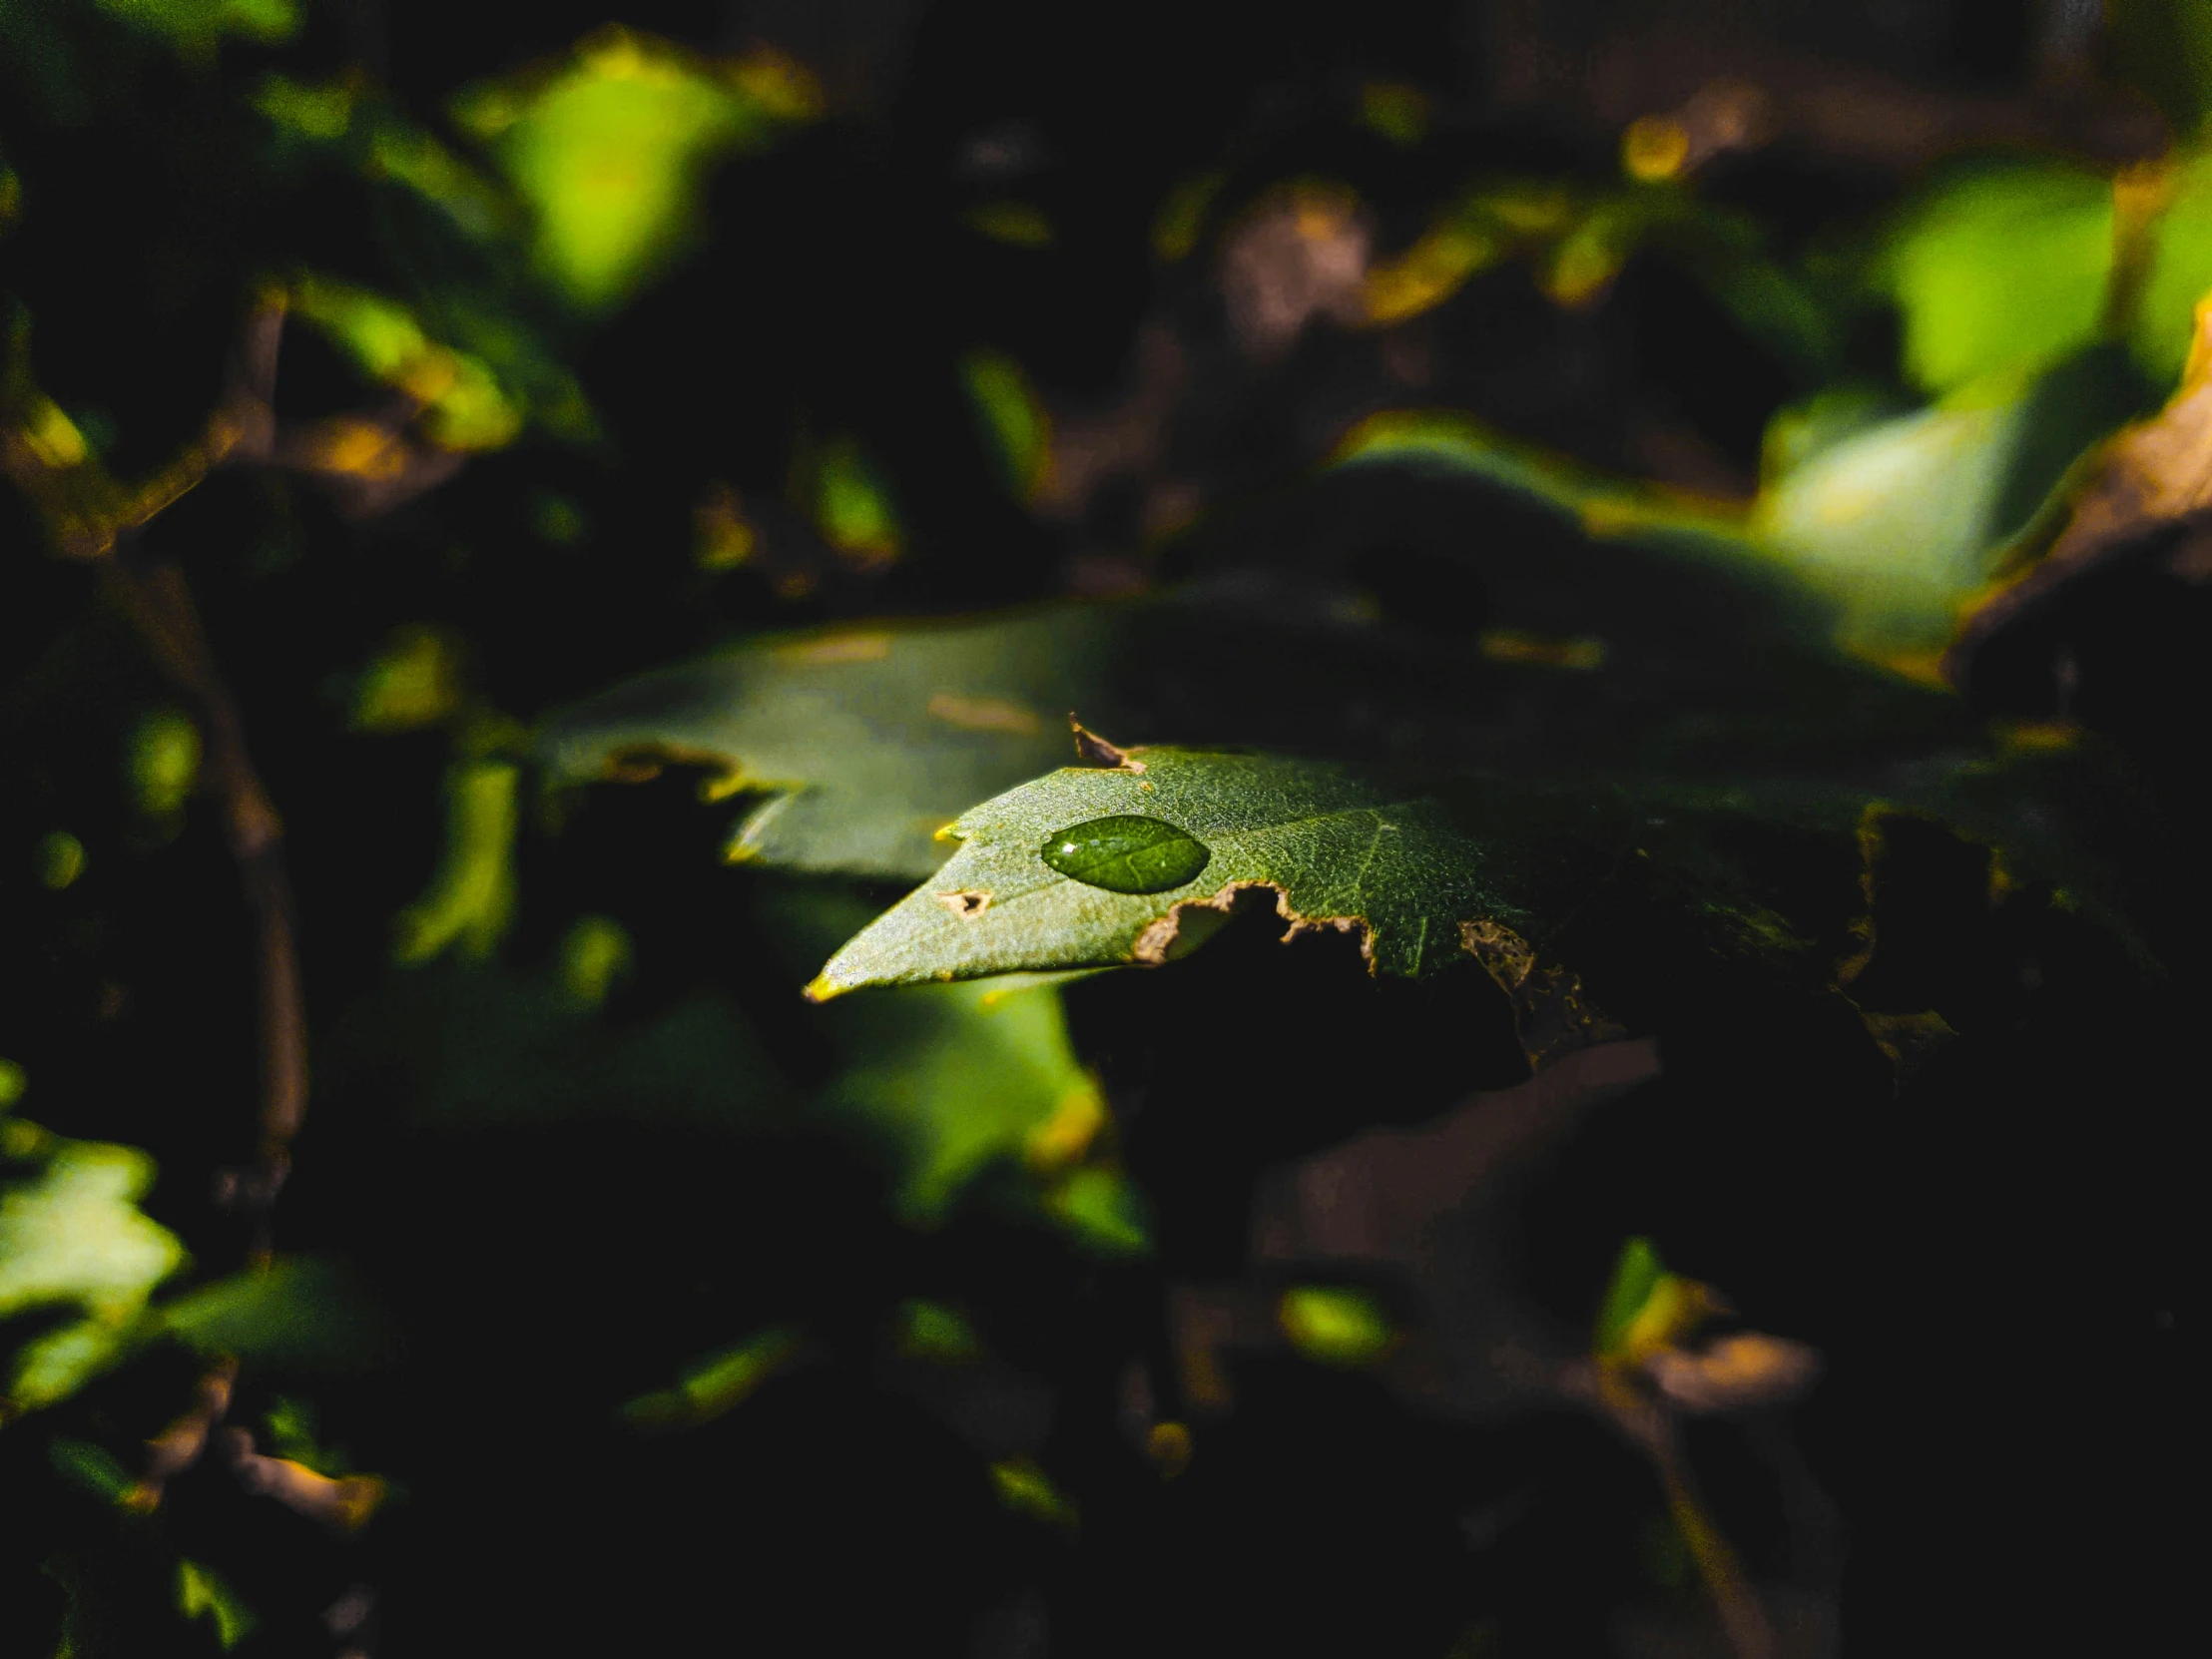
[1333, 852]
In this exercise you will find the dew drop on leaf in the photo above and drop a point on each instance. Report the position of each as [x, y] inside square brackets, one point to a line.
[1126, 853]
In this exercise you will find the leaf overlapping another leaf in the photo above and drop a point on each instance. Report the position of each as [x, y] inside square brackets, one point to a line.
[1336, 852]
[865, 742]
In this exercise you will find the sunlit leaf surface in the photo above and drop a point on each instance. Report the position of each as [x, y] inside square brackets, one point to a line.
[2002, 267]
[1331, 852]
[72, 1235]
[610, 151]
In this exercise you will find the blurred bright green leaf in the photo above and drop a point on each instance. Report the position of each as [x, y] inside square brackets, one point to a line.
[610, 151]
[72, 1235]
[1636, 1274]
[1334, 1325]
[956, 1077]
[1025, 1488]
[162, 762]
[1904, 519]
[416, 681]
[947, 1083]
[2180, 273]
[595, 955]
[471, 898]
[1999, 269]
[1018, 424]
[463, 403]
[848, 502]
[201, 1593]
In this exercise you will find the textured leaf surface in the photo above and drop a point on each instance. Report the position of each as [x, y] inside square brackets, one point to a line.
[1337, 852]
[866, 743]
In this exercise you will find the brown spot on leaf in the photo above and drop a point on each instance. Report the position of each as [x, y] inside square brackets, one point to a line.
[967, 906]
[832, 649]
[983, 713]
[642, 762]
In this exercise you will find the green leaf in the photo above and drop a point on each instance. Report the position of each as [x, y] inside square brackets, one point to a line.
[2179, 275]
[1336, 852]
[465, 407]
[1334, 1324]
[201, 1593]
[849, 500]
[72, 1235]
[1014, 417]
[298, 1313]
[717, 1384]
[952, 1083]
[471, 900]
[867, 741]
[611, 151]
[161, 764]
[1026, 1489]
[955, 1078]
[2001, 268]
[1635, 1276]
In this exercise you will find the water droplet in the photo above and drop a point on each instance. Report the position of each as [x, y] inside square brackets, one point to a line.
[1126, 853]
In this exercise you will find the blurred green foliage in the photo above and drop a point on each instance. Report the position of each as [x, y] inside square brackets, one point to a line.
[548, 534]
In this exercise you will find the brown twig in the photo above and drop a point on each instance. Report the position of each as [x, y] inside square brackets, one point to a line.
[180, 1445]
[1650, 1426]
[92, 518]
[343, 1503]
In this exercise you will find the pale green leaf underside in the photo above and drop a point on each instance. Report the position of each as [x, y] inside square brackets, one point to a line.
[1336, 852]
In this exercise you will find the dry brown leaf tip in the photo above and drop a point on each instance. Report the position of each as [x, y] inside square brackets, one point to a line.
[1091, 750]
